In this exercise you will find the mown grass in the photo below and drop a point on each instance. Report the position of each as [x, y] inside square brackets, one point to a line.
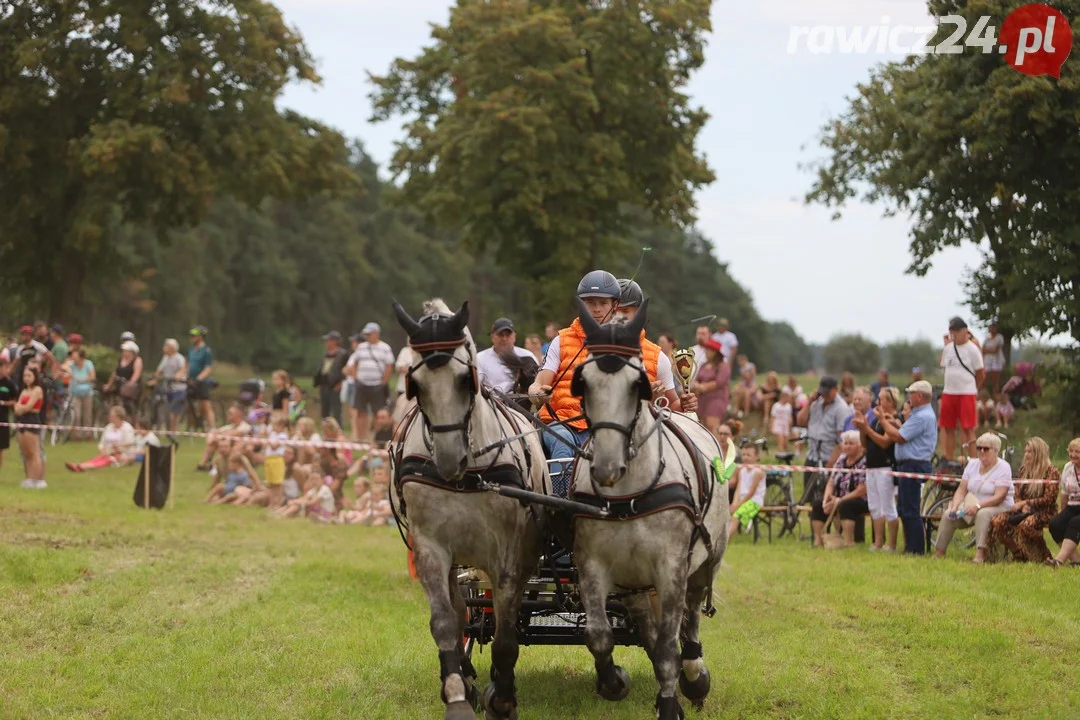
[110, 611]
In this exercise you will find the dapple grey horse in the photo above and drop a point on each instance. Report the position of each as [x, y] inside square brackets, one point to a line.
[440, 454]
[669, 533]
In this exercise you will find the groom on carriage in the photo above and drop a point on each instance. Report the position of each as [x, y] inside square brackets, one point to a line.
[607, 300]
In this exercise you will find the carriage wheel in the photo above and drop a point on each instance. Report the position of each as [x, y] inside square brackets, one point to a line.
[779, 494]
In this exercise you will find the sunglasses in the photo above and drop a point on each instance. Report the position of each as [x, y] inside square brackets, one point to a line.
[983, 447]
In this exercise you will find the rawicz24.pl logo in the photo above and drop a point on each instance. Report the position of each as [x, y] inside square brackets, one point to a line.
[1036, 39]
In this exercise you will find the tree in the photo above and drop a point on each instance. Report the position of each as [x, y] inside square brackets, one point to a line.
[902, 355]
[852, 353]
[974, 152]
[115, 111]
[533, 125]
[789, 353]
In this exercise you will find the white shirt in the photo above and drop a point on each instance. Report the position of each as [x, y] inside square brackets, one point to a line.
[370, 362]
[405, 360]
[493, 371]
[699, 356]
[1070, 486]
[959, 381]
[663, 365]
[746, 479]
[995, 346]
[142, 441]
[983, 486]
[729, 342]
[117, 439]
[276, 437]
[782, 413]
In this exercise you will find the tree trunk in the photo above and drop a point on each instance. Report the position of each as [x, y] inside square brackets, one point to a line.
[63, 304]
[1007, 337]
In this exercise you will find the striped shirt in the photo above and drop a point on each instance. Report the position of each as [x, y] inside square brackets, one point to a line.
[371, 362]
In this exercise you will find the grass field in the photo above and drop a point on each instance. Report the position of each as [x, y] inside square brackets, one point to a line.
[109, 611]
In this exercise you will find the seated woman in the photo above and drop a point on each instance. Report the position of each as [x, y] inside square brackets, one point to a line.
[747, 394]
[1021, 531]
[770, 395]
[1065, 526]
[986, 491]
[845, 492]
[117, 446]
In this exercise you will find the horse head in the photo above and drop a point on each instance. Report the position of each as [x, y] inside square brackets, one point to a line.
[443, 381]
[612, 385]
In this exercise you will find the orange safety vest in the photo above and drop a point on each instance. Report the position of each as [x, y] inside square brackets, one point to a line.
[571, 340]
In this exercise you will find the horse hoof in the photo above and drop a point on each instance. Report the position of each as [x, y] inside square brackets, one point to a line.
[615, 691]
[695, 691]
[490, 705]
[461, 710]
[668, 708]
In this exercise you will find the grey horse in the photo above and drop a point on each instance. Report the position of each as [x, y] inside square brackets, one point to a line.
[668, 535]
[440, 454]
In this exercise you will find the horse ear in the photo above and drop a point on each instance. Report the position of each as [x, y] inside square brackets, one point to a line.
[461, 317]
[409, 325]
[589, 325]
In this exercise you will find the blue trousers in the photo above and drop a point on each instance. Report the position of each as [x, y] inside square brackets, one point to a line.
[560, 447]
[907, 506]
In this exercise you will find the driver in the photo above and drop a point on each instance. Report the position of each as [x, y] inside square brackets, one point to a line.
[657, 364]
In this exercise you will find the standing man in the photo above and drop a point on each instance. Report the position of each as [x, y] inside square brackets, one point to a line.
[498, 366]
[824, 417]
[727, 339]
[371, 364]
[550, 332]
[200, 362]
[964, 375]
[41, 334]
[330, 376]
[348, 384]
[875, 388]
[60, 348]
[915, 442]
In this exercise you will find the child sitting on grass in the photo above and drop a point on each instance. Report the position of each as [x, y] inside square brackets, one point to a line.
[240, 481]
[749, 492]
[1004, 410]
[372, 506]
[985, 407]
[144, 438]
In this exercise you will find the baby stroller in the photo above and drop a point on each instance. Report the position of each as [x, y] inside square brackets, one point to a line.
[1023, 386]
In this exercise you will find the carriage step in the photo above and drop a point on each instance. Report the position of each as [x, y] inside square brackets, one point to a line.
[562, 620]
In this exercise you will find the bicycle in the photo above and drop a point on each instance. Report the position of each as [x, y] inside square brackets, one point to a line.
[192, 416]
[160, 409]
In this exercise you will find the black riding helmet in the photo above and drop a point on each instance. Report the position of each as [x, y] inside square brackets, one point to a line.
[601, 284]
[631, 293]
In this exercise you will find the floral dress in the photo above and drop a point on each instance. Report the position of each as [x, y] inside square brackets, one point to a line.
[1025, 541]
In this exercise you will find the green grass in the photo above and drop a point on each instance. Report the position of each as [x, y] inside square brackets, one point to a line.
[109, 611]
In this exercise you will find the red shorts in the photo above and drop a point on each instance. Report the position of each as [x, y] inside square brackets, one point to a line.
[958, 409]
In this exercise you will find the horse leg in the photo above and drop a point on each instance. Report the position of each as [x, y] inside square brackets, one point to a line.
[433, 565]
[694, 677]
[468, 672]
[500, 698]
[672, 591]
[642, 611]
[612, 682]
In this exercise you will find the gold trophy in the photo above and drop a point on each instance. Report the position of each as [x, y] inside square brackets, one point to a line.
[685, 368]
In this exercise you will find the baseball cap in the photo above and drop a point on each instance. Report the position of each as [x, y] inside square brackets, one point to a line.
[921, 386]
[828, 382]
[26, 330]
[502, 324]
[957, 323]
[57, 328]
[714, 345]
[75, 338]
[371, 327]
[130, 346]
[332, 335]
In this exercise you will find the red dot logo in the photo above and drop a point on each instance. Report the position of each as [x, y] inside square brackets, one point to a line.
[1036, 39]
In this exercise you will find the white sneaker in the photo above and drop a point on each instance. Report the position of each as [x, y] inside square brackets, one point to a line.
[40, 484]
[28, 484]
[872, 548]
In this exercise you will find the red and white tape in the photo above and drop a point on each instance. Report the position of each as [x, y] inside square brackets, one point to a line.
[216, 434]
[895, 473]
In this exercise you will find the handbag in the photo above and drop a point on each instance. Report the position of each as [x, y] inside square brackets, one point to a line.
[1018, 516]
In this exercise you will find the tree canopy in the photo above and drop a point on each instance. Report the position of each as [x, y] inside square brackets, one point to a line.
[974, 152]
[532, 126]
[114, 110]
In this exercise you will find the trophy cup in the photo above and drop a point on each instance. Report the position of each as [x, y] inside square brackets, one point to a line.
[684, 367]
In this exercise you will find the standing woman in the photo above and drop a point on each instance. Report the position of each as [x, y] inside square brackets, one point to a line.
[880, 460]
[712, 386]
[1021, 531]
[28, 410]
[993, 351]
[125, 379]
[83, 377]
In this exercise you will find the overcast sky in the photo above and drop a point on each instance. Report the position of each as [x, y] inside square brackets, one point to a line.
[767, 106]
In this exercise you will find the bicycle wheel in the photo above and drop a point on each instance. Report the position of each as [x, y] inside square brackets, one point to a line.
[778, 494]
[61, 430]
[964, 537]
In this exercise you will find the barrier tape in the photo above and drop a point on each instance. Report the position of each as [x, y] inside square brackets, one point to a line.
[938, 479]
[243, 440]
